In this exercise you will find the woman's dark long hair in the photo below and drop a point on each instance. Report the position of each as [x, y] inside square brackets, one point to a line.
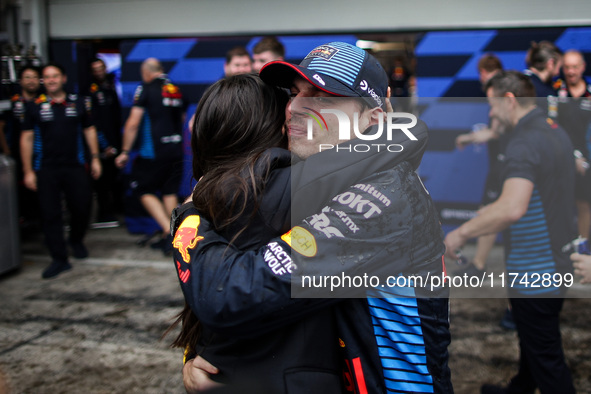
[237, 119]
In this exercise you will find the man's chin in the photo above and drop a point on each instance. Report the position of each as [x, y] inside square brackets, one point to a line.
[303, 151]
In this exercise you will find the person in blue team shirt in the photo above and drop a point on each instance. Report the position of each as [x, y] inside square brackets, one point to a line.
[535, 209]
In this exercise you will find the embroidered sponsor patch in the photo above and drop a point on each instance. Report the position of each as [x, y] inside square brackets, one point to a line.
[301, 240]
[358, 203]
[46, 112]
[278, 260]
[186, 237]
[184, 275]
[324, 51]
[319, 79]
[321, 222]
[71, 110]
[138, 92]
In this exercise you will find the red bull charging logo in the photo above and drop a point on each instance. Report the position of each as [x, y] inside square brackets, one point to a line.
[186, 237]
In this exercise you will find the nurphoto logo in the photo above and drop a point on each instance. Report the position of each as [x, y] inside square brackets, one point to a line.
[347, 123]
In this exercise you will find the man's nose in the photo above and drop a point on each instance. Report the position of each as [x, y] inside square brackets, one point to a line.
[288, 110]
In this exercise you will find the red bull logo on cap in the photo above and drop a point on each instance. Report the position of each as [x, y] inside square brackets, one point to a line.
[186, 237]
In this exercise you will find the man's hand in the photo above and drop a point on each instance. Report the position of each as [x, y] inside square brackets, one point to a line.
[196, 376]
[30, 180]
[582, 165]
[453, 242]
[582, 264]
[463, 140]
[477, 137]
[110, 152]
[122, 159]
[96, 168]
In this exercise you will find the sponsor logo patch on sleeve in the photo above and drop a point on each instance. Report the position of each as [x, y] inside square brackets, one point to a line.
[301, 240]
[186, 237]
[137, 94]
[278, 260]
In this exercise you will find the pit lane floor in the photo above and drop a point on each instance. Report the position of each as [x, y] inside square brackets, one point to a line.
[94, 329]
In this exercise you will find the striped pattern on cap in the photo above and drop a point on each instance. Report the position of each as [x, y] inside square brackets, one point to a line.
[343, 65]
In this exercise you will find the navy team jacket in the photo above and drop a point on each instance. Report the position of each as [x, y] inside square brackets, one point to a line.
[366, 213]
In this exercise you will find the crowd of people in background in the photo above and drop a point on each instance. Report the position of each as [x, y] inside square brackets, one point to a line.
[152, 134]
[538, 190]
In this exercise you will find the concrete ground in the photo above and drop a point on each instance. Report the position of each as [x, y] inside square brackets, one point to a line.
[94, 329]
[98, 327]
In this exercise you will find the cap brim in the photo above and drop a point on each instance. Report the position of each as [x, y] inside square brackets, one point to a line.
[282, 74]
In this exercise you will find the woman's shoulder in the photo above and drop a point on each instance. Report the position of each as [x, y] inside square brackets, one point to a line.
[278, 157]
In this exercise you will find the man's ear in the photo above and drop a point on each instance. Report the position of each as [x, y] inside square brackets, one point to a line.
[375, 114]
[510, 97]
[551, 64]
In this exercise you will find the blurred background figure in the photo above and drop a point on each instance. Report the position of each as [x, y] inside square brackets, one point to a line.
[29, 89]
[57, 164]
[543, 61]
[29, 78]
[266, 50]
[402, 84]
[535, 149]
[238, 61]
[488, 66]
[158, 116]
[574, 115]
[4, 148]
[106, 113]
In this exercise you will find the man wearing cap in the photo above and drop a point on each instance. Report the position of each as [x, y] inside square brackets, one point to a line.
[357, 213]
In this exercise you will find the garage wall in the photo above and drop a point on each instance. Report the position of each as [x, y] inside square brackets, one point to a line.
[150, 18]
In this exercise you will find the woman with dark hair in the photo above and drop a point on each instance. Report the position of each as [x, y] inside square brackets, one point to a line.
[239, 151]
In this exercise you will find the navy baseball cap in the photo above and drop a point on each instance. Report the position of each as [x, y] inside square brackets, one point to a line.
[337, 68]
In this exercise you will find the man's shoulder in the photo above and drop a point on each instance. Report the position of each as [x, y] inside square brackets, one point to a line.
[382, 190]
[151, 93]
[394, 175]
[540, 134]
[527, 136]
